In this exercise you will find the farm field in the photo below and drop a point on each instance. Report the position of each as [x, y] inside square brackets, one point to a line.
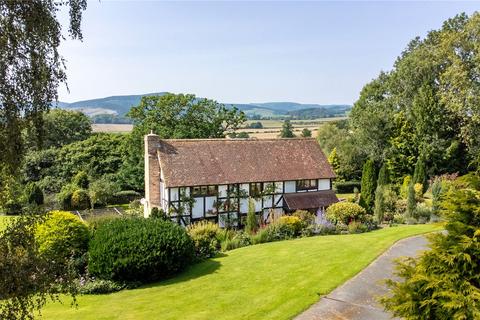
[271, 128]
[275, 280]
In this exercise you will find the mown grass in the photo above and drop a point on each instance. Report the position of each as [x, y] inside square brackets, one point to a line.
[269, 281]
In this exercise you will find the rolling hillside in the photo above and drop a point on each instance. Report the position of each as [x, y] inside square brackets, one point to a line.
[119, 105]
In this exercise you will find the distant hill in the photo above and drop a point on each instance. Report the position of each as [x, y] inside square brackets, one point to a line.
[322, 112]
[120, 105]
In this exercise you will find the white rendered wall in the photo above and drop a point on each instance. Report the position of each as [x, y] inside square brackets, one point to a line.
[323, 184]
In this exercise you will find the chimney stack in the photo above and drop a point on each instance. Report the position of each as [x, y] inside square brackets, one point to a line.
[152, 173]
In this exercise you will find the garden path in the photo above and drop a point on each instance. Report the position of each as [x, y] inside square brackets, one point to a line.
[356, 299]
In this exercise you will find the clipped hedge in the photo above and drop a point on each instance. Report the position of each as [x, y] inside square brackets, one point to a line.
[138, 249]
[348, 186]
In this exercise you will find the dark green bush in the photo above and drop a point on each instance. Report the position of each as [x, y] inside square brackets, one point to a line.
[347, 187]
[33, 194]
[138, 249]
[157, 213]
[125, 196]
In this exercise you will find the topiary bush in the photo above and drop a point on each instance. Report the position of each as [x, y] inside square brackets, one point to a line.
[345, 212]
[205, 235]
[138, 249]
[62, 235]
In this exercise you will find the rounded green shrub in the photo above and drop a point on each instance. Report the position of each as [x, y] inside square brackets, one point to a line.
[138, 249]
[205, 235]
[80, 199]
[345, 212]
[293, 223]
[62, 235]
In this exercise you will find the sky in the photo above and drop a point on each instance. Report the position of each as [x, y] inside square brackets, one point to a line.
[242, 52]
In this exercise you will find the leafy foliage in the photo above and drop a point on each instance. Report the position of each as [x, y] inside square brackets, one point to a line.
[173, 116]
[62, 236]
[306, 133]
[31, 68]
[287, 130]
[98, 156]
[427, 106]
[205, 235]
[443, 283]
[27, 277]
[345, 212]
[138, 249]
[61, 127]
[33, 194]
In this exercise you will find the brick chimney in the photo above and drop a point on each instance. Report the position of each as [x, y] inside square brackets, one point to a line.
[152, 173]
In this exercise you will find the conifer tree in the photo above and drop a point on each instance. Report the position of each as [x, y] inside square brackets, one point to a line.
[379, 209]
[369, 180]
[251, 225]
[383, 175]
[420, 175]
[411, 202]
[443, 283]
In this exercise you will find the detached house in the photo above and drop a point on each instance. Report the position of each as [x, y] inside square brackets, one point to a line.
[194, 179]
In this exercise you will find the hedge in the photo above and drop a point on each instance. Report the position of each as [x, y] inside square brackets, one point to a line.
[347, 187]
[138, 249]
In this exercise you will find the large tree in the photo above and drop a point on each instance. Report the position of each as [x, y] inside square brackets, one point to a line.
[180, 116]
[428, 104]
[31, 69]
[61, 127]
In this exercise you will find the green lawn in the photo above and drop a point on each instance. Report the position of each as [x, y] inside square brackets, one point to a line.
[270, 281]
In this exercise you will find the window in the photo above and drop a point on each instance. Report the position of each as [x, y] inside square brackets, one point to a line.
[204, 191]
[307, 184]
[255, 189]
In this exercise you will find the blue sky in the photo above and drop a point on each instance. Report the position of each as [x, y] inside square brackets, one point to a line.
[310, 52]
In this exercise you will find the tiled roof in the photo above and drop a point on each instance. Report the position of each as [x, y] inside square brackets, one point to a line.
[310, 200]
[190, 162]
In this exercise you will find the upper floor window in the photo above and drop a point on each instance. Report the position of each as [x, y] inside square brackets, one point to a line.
[310, 184]
[204, 191]
[255, 189]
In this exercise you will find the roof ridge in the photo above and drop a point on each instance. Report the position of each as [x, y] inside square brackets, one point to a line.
[238, 139]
